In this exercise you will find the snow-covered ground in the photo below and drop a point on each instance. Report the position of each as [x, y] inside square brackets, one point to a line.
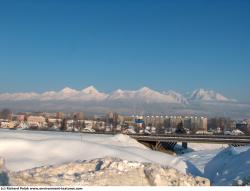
[198, 155]
[22, 150]
[230, 167]
[221, 164]
[28, 149]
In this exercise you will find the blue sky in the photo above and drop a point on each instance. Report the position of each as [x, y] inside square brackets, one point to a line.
[179, 45]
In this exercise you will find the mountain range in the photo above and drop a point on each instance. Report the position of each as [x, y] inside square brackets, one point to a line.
[143, 101]
[144, 94]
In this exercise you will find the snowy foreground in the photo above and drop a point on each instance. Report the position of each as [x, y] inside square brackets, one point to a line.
[28, 149]
[24, 150]
[104, 172]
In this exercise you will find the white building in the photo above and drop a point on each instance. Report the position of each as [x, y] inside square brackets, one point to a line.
[36, 121]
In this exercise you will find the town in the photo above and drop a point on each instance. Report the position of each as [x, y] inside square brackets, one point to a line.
[116, 123]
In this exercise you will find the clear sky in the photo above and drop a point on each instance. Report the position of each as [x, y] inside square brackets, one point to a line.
[179, 45]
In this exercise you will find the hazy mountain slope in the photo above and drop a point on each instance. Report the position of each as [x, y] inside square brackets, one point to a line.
[208, 95]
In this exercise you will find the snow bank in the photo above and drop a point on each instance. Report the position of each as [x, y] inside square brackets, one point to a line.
[104, 172]
[28, 149]
[198, 155]
[223, 166]
[124, 140]
[230, 167]
[198, 160]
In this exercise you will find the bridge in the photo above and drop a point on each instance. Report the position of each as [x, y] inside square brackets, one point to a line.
[168, 141]
[215, 139]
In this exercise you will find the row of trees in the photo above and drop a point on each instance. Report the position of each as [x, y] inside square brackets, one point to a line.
[76, 125]
[6, 114]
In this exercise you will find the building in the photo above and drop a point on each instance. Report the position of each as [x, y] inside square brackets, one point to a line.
[54, 122]
[231, 125]
[113, 119]
[222, 123]
[78, 116]
[59, 115]
[243, 126]
[69, 125]
[199, 124]
[203, 124]
[20, 118]
[99, 117]
[187, 123]
[7, 124]
[175, 121]
[148, 120]
[166, 123]
[99, 125]
[155, 121]
[171, 122]
[139, 121]
[36, 121]
[120, 119]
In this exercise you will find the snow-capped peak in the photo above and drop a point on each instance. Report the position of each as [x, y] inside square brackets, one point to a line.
[119, 94]
[90, 90]
[145, 89]
[119, 91]
[208, 95]
[147, 95]
[68, 90]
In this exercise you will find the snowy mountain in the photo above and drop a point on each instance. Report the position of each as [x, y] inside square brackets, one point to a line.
[177, 96]
[144, 94]
[208, 96]
[64, 94]
[91, 94]
[68, 94]
[90, 90]
[143, 100]
[18, 96]
[147, 95]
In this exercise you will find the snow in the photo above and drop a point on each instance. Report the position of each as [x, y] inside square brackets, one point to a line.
[87, 94]
[180, 98]
[222, 164]
[22, 150]
[68, 91]
[229, 166]
[208, 95]
[148, 95]
[28, 149]
[143, 94]
[18, 96]
[90, 90]
[199, 160]
[204, 146]
[198, 155]
[104, 172]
